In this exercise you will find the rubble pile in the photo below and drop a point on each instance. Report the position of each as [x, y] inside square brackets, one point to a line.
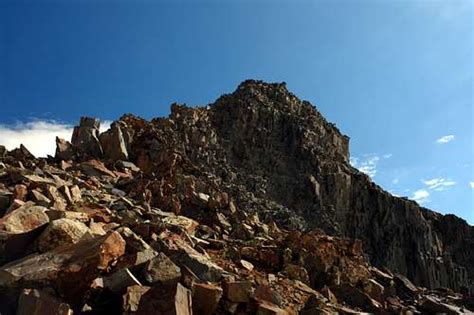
[241, 207]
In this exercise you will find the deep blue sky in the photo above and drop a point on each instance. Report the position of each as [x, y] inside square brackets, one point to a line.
[393, 75]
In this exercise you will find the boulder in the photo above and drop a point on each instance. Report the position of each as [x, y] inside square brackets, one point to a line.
[69, 268]
[64, 149]
[355, 297]
[61, 232]
[85, 137]
[113, 143]
[120, 280]
[58, 202]
[206, 298]
[161, 270]
[95, 168]
[405, 288]
[24, 219]
[238, 291]
[15, 245]
[39, 198]
[181, 252]
[169, 299]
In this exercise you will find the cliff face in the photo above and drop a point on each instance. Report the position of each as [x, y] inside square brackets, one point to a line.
[277, 156]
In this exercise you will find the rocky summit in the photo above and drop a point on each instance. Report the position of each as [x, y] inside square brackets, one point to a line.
[246, 206]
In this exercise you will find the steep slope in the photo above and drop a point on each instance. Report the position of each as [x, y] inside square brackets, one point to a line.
[276, 155]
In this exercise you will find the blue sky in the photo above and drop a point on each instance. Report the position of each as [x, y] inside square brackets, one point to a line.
[396, 76]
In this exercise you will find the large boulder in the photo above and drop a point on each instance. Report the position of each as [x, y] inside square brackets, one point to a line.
[69, 269]
[24, 219]
[161, 269]
[61, 232]
[85, 137]
[113, 143]
[168, 299]
[64, 149]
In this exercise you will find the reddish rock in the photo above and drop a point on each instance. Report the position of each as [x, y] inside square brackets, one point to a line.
[68, 268]
[64, 149]
[184, 254]
[20, 192]
[169, 300]
[238, 291]
[206, 298]
[267, 309]
[24, 219]
[95, 168]
[61, 232]
[39, 198]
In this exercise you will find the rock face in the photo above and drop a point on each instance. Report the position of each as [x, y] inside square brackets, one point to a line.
[247, 206]
[280, 158]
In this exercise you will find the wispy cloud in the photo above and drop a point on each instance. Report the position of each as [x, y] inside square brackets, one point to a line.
[387, 156]
[439, 184]
[395, 181]
[445, 139]
[38, 136]
[471, 184]
[367, 164]
[420, 196]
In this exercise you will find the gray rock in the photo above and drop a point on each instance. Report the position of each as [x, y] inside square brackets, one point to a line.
[161, 269]
[85, 137]
[61, 232]
[113, 143]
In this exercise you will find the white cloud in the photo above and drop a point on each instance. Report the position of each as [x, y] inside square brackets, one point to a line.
[420, 196]
[439, 184]
[105, 125]
[387, 156]
[445, 139]
[367, 165]
[471, 184]
[38, 136]
[395, 181]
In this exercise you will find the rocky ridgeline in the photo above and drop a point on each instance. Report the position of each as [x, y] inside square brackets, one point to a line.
[246, 206]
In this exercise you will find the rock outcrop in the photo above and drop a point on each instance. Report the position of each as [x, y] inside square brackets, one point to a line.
[85, 137]
[246, 206]
[280, 158]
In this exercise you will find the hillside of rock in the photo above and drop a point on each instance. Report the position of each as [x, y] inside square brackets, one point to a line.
[246, 206]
